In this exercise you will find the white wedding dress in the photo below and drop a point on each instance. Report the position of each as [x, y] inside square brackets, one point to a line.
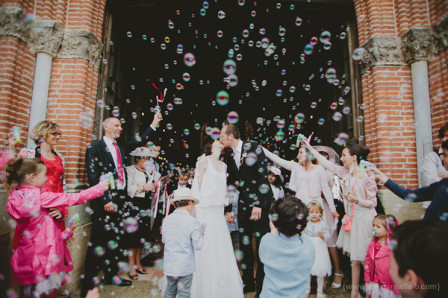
[217, 273]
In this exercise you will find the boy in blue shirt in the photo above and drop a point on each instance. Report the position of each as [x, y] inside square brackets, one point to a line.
[287, 256]
[182, 235]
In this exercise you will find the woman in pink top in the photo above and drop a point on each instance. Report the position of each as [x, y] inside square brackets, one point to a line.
[359, 204]
[41, 259]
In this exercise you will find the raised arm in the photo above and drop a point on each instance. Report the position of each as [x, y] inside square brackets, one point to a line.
[144, 138]
[51, 199]
[288, 165]
[323, 180]
[419, 195]
[335, 169]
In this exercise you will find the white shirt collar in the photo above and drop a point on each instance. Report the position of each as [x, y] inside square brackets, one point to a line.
[108, 140]
[239, 147]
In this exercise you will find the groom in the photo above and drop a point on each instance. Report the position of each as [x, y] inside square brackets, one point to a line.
[247, 170]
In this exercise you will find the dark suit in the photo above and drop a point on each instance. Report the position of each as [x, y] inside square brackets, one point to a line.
[252, 182]
[106, 225]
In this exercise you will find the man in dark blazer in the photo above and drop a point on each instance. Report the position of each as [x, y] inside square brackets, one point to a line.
[102, 157]
[247, 170]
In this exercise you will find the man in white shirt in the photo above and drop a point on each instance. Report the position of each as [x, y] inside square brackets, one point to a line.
[433, 168]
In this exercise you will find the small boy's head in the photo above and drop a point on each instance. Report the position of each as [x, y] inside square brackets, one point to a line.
[183, 198]
[183, 177]
[289, 215]
[419, 258]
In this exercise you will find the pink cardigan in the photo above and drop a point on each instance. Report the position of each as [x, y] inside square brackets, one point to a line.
[367, 184]
[376, 268]
[41, 249]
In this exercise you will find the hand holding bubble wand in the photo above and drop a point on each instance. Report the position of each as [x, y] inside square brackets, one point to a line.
[302, 139]
[157, 108]
[74, 219]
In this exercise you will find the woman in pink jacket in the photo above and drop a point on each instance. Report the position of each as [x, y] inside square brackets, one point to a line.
[359, 204]
[41, 260]
[379, 283]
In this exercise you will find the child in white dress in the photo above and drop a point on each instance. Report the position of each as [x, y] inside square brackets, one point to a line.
[317, 231]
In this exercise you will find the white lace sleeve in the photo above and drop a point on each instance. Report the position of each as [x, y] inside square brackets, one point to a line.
[201, 166]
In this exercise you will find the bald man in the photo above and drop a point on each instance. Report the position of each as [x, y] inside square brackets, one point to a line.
[102, 157]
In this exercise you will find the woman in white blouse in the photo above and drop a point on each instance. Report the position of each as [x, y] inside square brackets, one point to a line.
[137, 210]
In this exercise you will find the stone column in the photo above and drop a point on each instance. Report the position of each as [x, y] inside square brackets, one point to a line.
[418, 44]
[45, 41]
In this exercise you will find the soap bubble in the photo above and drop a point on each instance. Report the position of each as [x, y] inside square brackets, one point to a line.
[279, 136]
[189, 59]
[251, 159]
[229, 67]
[299, 118]
[325, 37]
[186, 76]
[341, 139]
[221, 14]
[131, 225]
[112, 244]
[281, 31]
[246, 240]
[222, 98]
[308, 49]
[232, 117]
[298, 21]
[358, 53]
[215, 133]
[99, 251]
[337, 116]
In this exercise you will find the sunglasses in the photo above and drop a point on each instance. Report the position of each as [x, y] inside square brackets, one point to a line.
[56, 134]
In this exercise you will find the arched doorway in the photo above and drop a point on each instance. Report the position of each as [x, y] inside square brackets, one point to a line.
[279, 68]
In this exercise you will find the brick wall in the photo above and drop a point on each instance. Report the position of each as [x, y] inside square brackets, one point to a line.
[16, 81]
[387, 90]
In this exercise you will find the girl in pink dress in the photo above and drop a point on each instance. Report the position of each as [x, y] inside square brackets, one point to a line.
[46, 135]
[359, 204]
[41, 259]
[379, 283]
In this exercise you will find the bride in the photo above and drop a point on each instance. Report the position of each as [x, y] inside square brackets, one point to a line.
[217, 273]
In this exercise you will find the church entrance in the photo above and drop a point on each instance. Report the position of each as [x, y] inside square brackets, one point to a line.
[275, 68]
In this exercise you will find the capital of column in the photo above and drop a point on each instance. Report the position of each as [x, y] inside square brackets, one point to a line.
[47, 39]
[380, 51]
[12, 23]
[418, 44]
[441, 34]
[81, 44]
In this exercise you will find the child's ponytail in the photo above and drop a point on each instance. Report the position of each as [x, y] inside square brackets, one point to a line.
[17, 168]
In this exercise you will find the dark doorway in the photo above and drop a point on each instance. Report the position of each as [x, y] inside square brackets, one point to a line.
[279, 68]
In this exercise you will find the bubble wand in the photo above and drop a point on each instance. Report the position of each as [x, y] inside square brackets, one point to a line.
[162, 96]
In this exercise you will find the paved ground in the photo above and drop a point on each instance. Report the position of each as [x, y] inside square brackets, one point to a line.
[146, 286]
